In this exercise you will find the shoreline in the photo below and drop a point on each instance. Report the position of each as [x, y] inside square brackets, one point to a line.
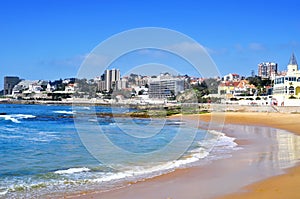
[278, 186]
[176, 182]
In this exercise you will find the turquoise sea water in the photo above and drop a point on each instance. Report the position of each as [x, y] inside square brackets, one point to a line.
[42, 150]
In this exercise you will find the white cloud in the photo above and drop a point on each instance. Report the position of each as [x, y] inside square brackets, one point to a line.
[66, 62]
[289, 45]
[239, 48]
[76, 61]
[93, 59]
[151, 52]
[219, 51]
[256, 46]
[186, 47]
[195, 48]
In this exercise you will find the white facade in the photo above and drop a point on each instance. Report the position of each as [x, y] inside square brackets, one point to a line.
[287, 86]
[163, 88]
[110, 80]
[231, 77]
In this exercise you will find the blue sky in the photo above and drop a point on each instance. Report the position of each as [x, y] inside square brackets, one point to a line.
[48, 39]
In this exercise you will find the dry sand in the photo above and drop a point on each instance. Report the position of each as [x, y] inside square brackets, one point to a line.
[211, 181]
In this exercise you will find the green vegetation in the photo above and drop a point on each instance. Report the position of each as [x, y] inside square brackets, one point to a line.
[260, 84]
[199, 92]
[85, 87]
[168, 111]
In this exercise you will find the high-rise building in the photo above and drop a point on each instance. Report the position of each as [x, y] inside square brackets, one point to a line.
[9, 83]
[110, 80]
[267, 69]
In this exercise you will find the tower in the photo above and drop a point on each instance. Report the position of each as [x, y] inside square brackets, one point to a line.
[292, 66]
[9, 83]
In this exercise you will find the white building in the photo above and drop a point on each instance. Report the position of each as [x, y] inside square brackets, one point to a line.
[231, 77]
[110, 80]
[165, 86]
[29, 86]
[124, 83]
[287, 86]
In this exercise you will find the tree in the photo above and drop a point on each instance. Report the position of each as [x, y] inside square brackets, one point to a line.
[260, 83]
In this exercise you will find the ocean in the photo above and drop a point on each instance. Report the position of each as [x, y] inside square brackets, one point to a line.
[57, 149]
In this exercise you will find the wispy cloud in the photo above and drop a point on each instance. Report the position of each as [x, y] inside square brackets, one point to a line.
[256, 46]
[186, 47]
[218, 51]
[77, 60]
[65, 62]
[289, 45]
[151, 52]
[93, 59]
[239, 48]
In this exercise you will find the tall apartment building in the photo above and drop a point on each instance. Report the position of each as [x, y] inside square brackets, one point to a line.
[267, 69]
[9, 83]
[110, 80]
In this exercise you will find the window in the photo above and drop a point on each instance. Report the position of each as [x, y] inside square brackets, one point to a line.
[291, 90]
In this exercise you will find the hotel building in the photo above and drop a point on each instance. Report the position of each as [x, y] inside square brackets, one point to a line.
[165, 86]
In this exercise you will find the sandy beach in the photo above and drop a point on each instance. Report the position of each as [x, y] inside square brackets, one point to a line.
[282, 186]
[249, 173]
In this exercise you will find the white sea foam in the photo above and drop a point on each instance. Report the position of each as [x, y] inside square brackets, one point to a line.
[193, 156]
[16, 117]
[9, 117]
[114, 176]
[221, 146]
[23, 116]
[201, 152]
[65, 112]
[72, 170]
[3, 192]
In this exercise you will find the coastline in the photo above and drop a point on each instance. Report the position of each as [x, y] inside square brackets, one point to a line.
[185, 183]
[280, 186]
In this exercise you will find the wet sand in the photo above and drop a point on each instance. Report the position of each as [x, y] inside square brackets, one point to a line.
[258, 162]
[282, 186]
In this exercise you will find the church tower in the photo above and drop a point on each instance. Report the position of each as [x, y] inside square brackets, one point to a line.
[292, 66]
